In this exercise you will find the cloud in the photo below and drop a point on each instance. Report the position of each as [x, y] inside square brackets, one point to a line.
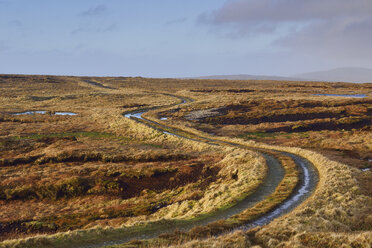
[334, 27]
[95, 29]
[254, 11]
[336, 38]
[15, 24]
[95, 11]
[3, 46]
[176, 21]
[110, 28]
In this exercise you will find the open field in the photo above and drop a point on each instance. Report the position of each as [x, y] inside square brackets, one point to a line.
[69, 178]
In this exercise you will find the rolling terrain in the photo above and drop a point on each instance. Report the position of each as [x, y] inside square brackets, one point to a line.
[345, 74]
[136, 162]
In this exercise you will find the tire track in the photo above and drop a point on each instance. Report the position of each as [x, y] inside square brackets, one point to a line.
[308, 182]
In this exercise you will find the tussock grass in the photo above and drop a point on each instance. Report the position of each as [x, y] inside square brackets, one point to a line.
[242, 172]
[236, 239]
[333, 206]
[338, 209]
[216, 196]
[282, 192]
[336, 178]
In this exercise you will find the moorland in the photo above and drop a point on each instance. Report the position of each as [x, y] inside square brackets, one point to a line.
[77, 172]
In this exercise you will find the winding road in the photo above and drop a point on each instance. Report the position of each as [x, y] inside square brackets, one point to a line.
[306, 185]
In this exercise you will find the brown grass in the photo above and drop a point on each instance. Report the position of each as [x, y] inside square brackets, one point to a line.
[66, 172]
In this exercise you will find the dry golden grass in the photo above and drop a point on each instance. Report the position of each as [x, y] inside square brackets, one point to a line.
[338, 207]
[241, 174]
[233, 240]
[99, 142]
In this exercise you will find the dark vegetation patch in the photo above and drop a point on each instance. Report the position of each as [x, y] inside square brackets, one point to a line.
[98, 84]
[41, 98]
[223, 90]
[301, 115]
[120, 184]
[24, 227]
[348, 123]
[285, 188]
[5, 119]
[125, 184]
[14, 149]
[83, 157]
[100, 157]
[135, 105]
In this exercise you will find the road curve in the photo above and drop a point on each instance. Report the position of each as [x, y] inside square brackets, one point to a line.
[307, 184]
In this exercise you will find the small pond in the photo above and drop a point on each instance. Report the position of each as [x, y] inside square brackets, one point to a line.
[45, 112]
[341, 95]
[65, 113]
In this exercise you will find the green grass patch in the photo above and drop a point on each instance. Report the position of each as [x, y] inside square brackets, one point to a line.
[94, 135]
[154, 145]
[304, 134]
[257, 135]
[260, 135]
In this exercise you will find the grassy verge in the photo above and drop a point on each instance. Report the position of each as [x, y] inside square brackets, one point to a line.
[282, 192]
[234, 159]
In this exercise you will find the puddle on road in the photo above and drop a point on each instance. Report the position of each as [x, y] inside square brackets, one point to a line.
[309, 179]
[137, 115]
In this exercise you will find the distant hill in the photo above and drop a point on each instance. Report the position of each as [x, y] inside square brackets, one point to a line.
[248, 77]
[346, 74]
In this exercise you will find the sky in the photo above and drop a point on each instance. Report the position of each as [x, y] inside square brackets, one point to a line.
[173, 38]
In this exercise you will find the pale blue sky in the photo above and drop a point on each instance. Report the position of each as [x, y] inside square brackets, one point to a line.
[170, 38]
